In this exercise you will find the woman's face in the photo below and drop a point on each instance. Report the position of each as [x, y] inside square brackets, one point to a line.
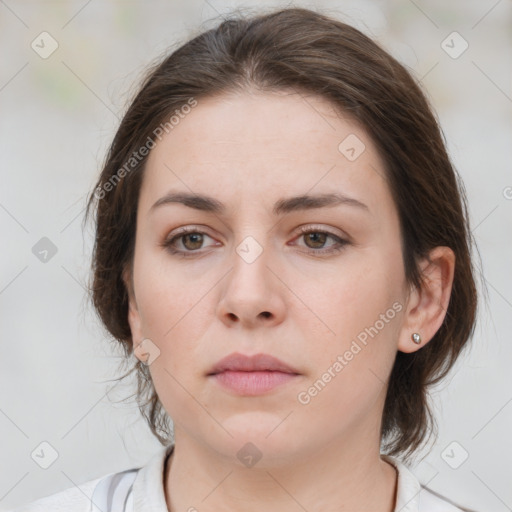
[328, 302]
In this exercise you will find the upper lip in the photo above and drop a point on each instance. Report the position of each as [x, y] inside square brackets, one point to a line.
[256, 362]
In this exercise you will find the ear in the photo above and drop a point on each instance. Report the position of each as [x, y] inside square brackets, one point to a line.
[133, 314]
[426, 306]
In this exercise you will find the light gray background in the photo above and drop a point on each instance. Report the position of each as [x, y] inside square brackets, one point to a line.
[57, 117]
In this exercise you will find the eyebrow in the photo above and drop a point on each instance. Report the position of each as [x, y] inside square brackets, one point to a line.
[282, 206]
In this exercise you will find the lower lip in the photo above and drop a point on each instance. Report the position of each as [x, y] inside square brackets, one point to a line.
[252, 383]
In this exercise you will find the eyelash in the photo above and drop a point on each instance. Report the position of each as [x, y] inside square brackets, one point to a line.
[339, 246]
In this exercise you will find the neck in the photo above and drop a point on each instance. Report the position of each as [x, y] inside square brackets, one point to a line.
[332, 478]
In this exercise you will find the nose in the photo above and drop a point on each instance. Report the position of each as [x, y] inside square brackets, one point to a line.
[252, 295]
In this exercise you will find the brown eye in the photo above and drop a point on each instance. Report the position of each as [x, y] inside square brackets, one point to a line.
[316, 238]
[195, 241]
[186, 242]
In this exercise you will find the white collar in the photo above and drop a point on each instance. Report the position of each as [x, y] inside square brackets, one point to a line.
[149, 493]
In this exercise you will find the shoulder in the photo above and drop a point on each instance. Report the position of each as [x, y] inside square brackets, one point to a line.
[115, 492]
[413, 496]
[430, 501]
[74, 499]
[109, 491]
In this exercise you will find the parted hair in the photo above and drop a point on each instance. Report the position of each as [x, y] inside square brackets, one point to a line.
[297, 49]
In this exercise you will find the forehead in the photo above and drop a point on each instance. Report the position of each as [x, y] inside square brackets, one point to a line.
[254, 146]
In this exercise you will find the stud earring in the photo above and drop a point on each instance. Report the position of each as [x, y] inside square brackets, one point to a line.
[416, 338]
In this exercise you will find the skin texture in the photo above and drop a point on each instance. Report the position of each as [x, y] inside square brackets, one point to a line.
[248, 150]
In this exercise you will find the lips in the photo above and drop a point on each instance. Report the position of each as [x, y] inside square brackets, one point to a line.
[254, 363]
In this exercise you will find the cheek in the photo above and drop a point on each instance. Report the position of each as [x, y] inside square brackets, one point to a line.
[166, 297]
[350, 368]
[358, 316]
[351, 300]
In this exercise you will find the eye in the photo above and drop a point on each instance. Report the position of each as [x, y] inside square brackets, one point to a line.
[190, 238]
[315, 239]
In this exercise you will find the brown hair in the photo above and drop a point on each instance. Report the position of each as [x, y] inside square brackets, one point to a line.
[305, 51]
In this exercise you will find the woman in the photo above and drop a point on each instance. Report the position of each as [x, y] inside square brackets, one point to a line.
[283, 245]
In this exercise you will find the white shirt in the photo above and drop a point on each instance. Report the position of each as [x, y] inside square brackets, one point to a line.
[142, 490]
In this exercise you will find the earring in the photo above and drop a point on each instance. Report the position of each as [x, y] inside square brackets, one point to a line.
[416, 338]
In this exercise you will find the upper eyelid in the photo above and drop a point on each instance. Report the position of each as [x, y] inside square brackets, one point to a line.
[300, 230]
[316, 227]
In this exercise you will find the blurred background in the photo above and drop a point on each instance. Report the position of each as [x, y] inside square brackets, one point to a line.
[67, 71]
